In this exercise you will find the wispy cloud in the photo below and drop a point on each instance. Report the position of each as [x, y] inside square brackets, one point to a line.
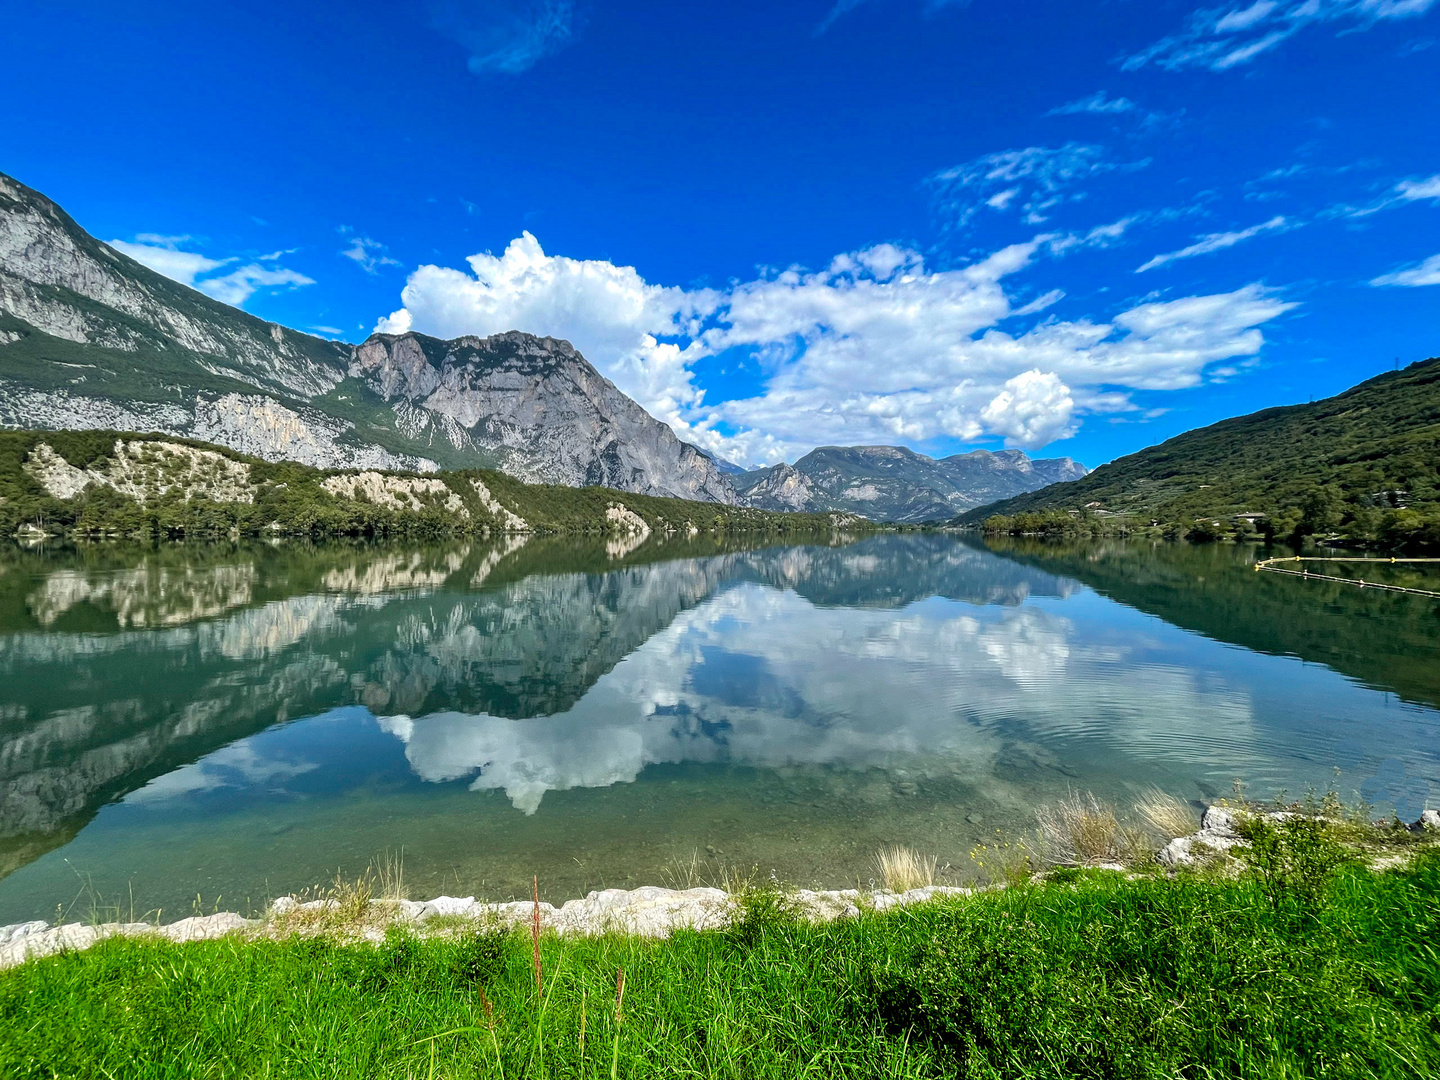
[507, 37]
[1032, 181]
[164, 255]
[1426, 273]
[1406, 191]
[843, 7]
[1220, 38]
[368, 254]
[1219, 241]
[1098, 103]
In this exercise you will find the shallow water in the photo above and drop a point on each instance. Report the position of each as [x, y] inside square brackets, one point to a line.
[234, 724]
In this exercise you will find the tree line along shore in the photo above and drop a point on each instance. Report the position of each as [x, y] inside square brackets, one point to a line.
[108, 484]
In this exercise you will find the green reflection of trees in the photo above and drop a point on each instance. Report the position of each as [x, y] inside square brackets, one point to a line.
[1388, 641]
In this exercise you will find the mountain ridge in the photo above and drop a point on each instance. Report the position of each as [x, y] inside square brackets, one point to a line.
[90, 338]
[895, 483]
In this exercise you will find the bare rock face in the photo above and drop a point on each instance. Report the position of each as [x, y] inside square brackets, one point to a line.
[538, 409]
[89, 338]
[783, 487]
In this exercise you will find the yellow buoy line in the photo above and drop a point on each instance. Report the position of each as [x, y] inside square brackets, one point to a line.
[1361, 583]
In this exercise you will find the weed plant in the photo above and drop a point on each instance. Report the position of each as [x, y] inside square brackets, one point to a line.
[1304, 966]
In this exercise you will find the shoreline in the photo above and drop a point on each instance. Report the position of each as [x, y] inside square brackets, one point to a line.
[651, 912]
[648, 911]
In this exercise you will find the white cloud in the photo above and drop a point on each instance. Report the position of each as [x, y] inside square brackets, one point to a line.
[1427, 273]
[240, 284]
[608, 312]
[1097, 103]
[1414, 190]
[876, 347]
[1033, 180]
[1405, 191]
[1220, 38]
[1219, 241]
[368, 254]
[161, 254]
[181, 266]
[1033, 409]
[507, 37]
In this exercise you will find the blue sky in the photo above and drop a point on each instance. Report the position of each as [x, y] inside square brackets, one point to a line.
[1078, 228]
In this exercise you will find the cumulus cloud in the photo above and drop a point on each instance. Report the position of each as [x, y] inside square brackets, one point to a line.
[1219, 241]
[1220, 38]
[507, 37]
[875, 347]
[1035, 408]
[163, 255]
[1033, 180]
[1426, 273]
[608, 312]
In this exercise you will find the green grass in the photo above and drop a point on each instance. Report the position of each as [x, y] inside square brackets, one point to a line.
[1090, 976]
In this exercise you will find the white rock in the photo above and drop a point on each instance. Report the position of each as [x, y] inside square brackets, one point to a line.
[1430, 819]
[1184, 850]
[204, 927]
[284, 905]
[16, 931]
[1219, 821]
[451, 905]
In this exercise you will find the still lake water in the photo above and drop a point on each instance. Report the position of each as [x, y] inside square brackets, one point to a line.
[238, 723]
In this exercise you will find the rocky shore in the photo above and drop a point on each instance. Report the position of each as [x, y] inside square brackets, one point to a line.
[649, 911]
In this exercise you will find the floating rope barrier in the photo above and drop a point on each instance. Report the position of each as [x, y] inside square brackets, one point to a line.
[1359, 583]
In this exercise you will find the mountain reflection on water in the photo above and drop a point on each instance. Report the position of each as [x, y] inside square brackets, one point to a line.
[794, 706]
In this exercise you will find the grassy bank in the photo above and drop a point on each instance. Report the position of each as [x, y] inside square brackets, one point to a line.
[1320, 969]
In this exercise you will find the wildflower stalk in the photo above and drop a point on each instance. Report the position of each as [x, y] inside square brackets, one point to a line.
[619, 1019]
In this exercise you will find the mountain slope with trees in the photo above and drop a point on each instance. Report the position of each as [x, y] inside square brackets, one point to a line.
[111, 484]
[1363, 465]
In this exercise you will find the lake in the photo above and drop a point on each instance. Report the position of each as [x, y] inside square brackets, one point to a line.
[219, 726]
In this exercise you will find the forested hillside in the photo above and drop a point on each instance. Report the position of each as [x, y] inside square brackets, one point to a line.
[1363, 466]
[107, 483]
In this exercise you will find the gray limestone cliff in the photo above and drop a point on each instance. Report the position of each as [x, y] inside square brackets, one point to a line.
[537, 409]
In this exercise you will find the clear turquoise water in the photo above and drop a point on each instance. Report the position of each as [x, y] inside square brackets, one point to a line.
[231, 725]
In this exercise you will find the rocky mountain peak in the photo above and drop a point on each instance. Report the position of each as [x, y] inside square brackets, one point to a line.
[538, 408]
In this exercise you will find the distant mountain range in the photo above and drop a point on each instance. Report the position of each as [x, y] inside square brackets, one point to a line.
[91, 339]
[891, 483]
[1365, 463]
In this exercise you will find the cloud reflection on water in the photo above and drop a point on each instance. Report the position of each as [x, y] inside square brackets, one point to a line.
[762, 677]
